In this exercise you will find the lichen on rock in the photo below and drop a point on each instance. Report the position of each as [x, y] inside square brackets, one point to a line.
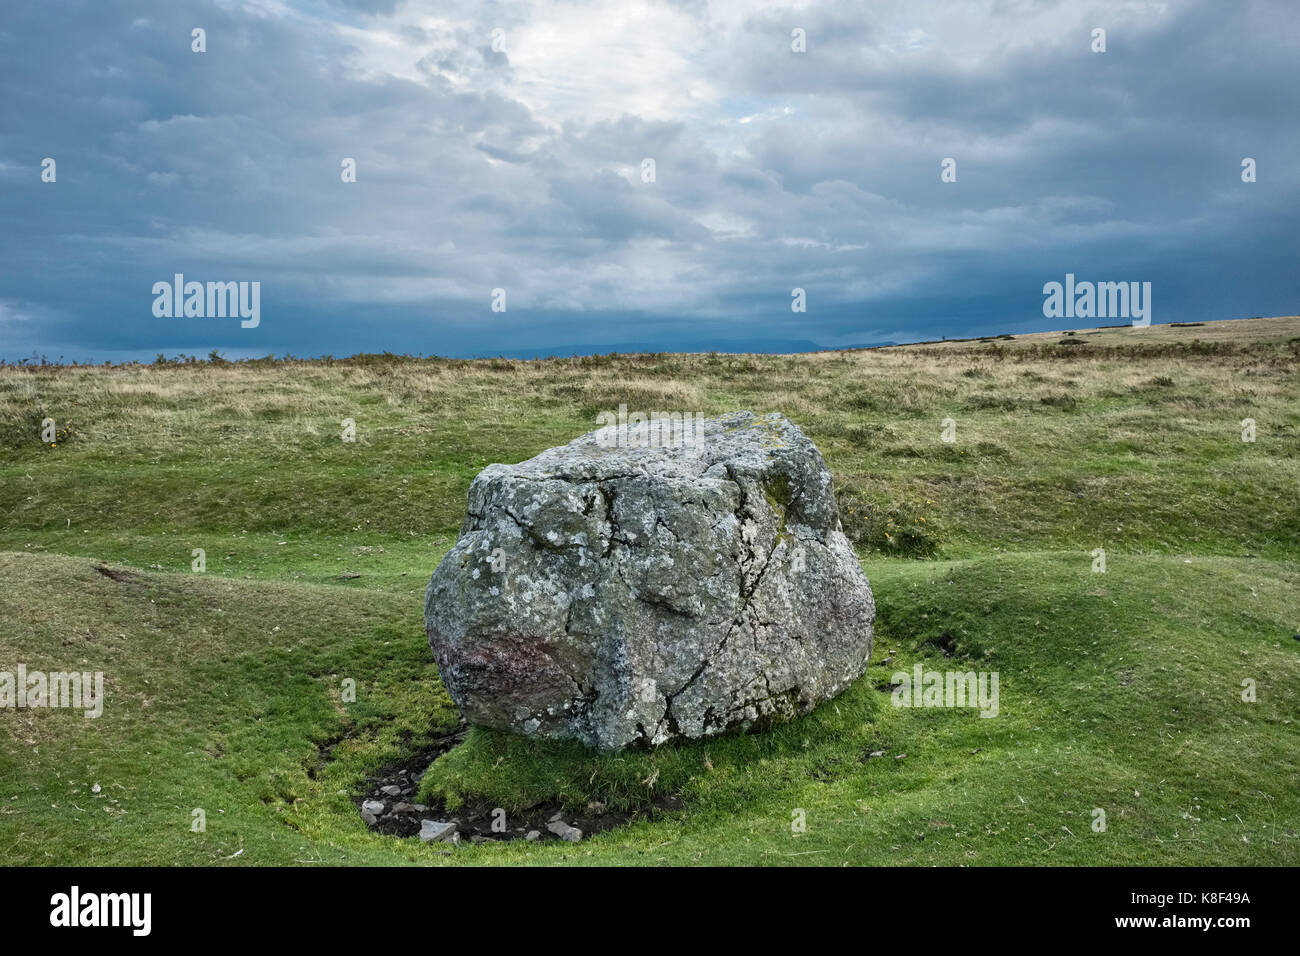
[624, 593]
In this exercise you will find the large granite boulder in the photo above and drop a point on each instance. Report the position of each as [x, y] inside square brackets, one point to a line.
[641, 585]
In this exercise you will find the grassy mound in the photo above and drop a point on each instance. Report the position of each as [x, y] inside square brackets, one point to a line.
[1110, 698]
[1119, 692]
[220, 695]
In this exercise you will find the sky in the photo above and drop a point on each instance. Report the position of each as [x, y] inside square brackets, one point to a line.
[503, 146]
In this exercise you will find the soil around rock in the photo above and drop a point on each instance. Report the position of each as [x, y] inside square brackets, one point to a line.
[397, 785]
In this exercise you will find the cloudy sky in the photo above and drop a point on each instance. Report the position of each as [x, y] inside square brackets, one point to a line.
[519, 167]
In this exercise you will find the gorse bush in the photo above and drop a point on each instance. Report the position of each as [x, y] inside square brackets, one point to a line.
[905, 529]
[20, 427]
[25, 427]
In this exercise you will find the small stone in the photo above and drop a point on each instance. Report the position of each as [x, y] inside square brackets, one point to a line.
[374, 806]
[432, 831]
[391, 790]
[419, 807]
[564, 831]
[405, 808]
[369, 818]
[557, 816]
[532, 836]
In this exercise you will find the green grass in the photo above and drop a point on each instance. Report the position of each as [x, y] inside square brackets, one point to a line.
[1119, 691]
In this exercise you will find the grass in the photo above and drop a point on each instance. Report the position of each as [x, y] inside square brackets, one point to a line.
[1119, 691]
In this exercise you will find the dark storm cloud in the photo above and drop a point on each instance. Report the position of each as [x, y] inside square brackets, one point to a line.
[501, 145]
